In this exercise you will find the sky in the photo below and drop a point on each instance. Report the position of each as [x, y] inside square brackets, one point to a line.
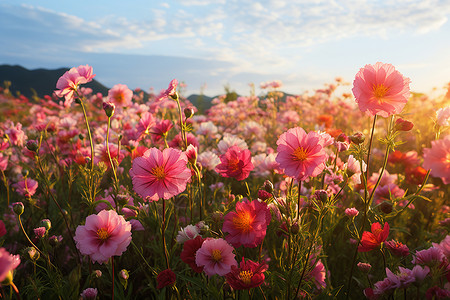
[213, 44]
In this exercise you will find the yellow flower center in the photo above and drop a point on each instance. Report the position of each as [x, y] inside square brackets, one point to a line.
[379, 90]
[103, 234]
[300, 154]
[243, 221]
[119, 98]
[233, 164]
[246, 276]
[216, 255]
[159, 172]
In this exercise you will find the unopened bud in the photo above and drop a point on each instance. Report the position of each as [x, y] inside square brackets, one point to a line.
[124, 274]
[403, 125]
[46, 224]
[386, 207]
[364, 267]
[32, 145]
[109, 109]
[268, 186]
[321, 195]
[188, 112]
[32, 253]
[18, 208]
[295, 228]
[357, 138]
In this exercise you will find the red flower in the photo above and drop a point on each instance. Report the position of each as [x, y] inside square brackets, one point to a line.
[190, 247]
[166, 278]
[397, 248]
[372, 240]
[235, 163]
[247, 276]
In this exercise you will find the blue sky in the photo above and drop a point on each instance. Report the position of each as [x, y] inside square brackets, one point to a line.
[213, 43]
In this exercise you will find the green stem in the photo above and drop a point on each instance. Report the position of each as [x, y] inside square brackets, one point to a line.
[113, 167]
[16, 290]
[32, 244]
[166, 255]
[5, 181]
[366, 192]
[41, 169]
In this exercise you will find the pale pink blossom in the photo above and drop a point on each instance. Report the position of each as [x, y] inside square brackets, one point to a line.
[216, 256]
[443, 116]
[160, 174]
[438, 159]
[187, 233]
[8, 262]
[26, 187]
[380, 89]
[104, 235]
[120, 95]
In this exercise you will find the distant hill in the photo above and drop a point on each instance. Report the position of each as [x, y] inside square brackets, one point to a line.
[43, 81]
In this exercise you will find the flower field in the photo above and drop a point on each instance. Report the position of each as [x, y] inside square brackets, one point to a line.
[320, 195]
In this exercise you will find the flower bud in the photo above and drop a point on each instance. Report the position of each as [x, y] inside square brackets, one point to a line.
[386, 207]
[122, 200]
[357, 138]
[321, 195]
[32, 145]
[109, 109]
[188, 112]
[403, 125]
[32, 253]
[18, 208]
[268, 186]
[39, 232]
[364, 267]
[202, 227]
[98, 273]
[295, 228]
[123, 274]
[46, 223]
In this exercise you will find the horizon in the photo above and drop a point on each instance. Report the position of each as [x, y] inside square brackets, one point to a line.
[213, 44]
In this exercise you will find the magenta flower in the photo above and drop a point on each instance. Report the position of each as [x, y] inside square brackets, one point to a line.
[248, 275]
[104, 235]
[159, 174]
[235, 163]
[26, 187]
[351, 212]
[380, 89]
[89, 294]
[438, 159]
[444, 246]
[68, 83]
[2, 228]
[431, 256]
[248, 224]
[8, 262]
[3, 162]
[169, 92]
[216, 256]
[397, 248]
[301, 155]
[120, 95]
[402, 279]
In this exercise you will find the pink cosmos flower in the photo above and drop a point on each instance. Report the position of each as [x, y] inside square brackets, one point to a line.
[3, 162]
[444, 246]
[301, 155]
[443, 116]
[402, 279]
[187, 233]
[8, 262]
[248, 224]
[353, 167]
[104, 235]
[216, 256]
[145, 123]
[120, 95]
[68, 83]
[89, 294]
[101, 154]
[351, 212]
[16, 134]
[397, 248]
[235, 163]
[169, 92]
[249, 275]
[438, 159]
[159, 174]
[430, 256]
[380, 89]
[26, 187]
